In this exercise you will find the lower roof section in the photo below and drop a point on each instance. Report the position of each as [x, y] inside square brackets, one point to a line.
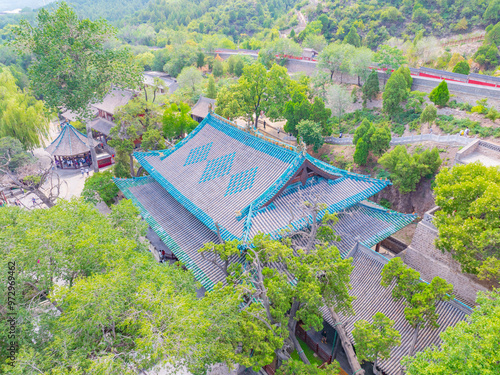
[179, 229]
[184, 234]
[371, 297]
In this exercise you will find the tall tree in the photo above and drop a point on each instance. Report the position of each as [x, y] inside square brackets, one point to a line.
[360, 63]
[334, 58]
[389, 58]
[469, 347]
[21, 115]
[429, 114]
[296, 110]
[353, 38]
[420, 298]
[395, 93]
[71, 66]
[361, 153]
[371, 87]
[440, 94]
[375, 340]
[190, 80]
[468, 221]
[338, 101]
[211, 90]
[177, 121]
[311, 133]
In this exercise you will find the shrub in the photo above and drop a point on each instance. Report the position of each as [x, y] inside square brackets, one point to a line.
[361, 154]
[440, 94]
[100, 187]
[462, 67]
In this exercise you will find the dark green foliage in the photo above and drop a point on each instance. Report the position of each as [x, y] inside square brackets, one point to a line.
[365, 130]
[12, 154]
[361, 154]
[396, 91]
[320, 114]
[200, 59]
[493, 35]
[405, 71]
[238, 68]
[492, 13]
[353, 38]
[311, 133]
[380, 140]
[296, 110]
[487, 55]
[450, 125]
[407, 170]
[462, 67]
[440, 94]
[100, 187]
[371, 87]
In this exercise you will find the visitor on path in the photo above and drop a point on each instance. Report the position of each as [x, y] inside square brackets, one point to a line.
[323, 336]
[466, 132]
[34, 201]
[81, 170]
[264, 124]
[87, 171]
[278, 131]
[340, 135]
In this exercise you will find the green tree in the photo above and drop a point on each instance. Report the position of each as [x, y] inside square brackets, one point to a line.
[468, 221]
[395, 93]
[415, 101]
[380, 140]
[238, 67]
[200, 59]
[440, 94]
[177, 121]
[487, 55]
[474, 339]
[353, 38]
[390, 58]
[338, 100]
[100, 188]
[365, 130]
[371, 87]
[296, 110]
[375, 340]
[311, 133]
[13, 154]
[228, 103]
[492, 12]
[493, 35]
[361, 154]
[429, 114]
[84, 67]
[218, 68]
[211, 90]
[360, 63]
[407, 170]
[420, 298]
[334, 58]
[152, 139]
[294, 367]
[21, 116]
[462, 67]
[320, 114]
[405, 71]
[190, 80]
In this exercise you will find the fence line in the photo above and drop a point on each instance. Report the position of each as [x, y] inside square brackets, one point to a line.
[450, 139]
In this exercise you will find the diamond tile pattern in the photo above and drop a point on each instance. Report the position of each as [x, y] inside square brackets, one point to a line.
[218, 167]
[198, 154]
[241, 181]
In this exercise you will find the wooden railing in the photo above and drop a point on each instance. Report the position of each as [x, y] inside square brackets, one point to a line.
[315, 347]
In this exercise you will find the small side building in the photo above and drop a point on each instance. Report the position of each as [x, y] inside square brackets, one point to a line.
[202, 108]
[169, 84]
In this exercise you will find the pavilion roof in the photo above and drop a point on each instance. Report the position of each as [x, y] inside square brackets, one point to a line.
[224, 175]
[102, 125]
[201, 108]
[69, 142]
[117, 97]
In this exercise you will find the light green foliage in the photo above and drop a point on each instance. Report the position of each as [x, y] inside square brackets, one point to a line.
[407, 170]
[316, 42]
[294, 367]
[361, 154]
[100, 187]
[21, 116]
[299, 108]
[353, 38]
[391, 15]
[335, 58]
[440, 94]
[84, 67]
[375, 340]
[493, 35]
[190, 80]
[338, 99]
[371, 87]
[461, 67]
[311, 133]
[280, 47]
[365, 130]
[145, 60]
[360, 62]
[152, 139]
[177, 121]
[12, 154]
[395, 93]
[405, 71]
[469, 347]
[429, 114]
[218, 68]
[211, 90]
[228, 103]
[389, 57]
[468, 221]
[420, 298]
[320, 114]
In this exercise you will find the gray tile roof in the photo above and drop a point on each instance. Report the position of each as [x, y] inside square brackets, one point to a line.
[169, 83]
[201, 108]
[117, 97]
[69, 142]
[102, 125]
[371, 298]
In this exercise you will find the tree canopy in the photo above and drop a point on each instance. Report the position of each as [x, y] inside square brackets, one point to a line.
[468, 219]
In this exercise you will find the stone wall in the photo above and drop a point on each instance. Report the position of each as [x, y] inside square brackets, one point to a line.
[423, 256]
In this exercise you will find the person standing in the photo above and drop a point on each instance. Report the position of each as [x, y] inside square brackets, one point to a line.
[81, 170]
[34, 201]
[87, 171]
